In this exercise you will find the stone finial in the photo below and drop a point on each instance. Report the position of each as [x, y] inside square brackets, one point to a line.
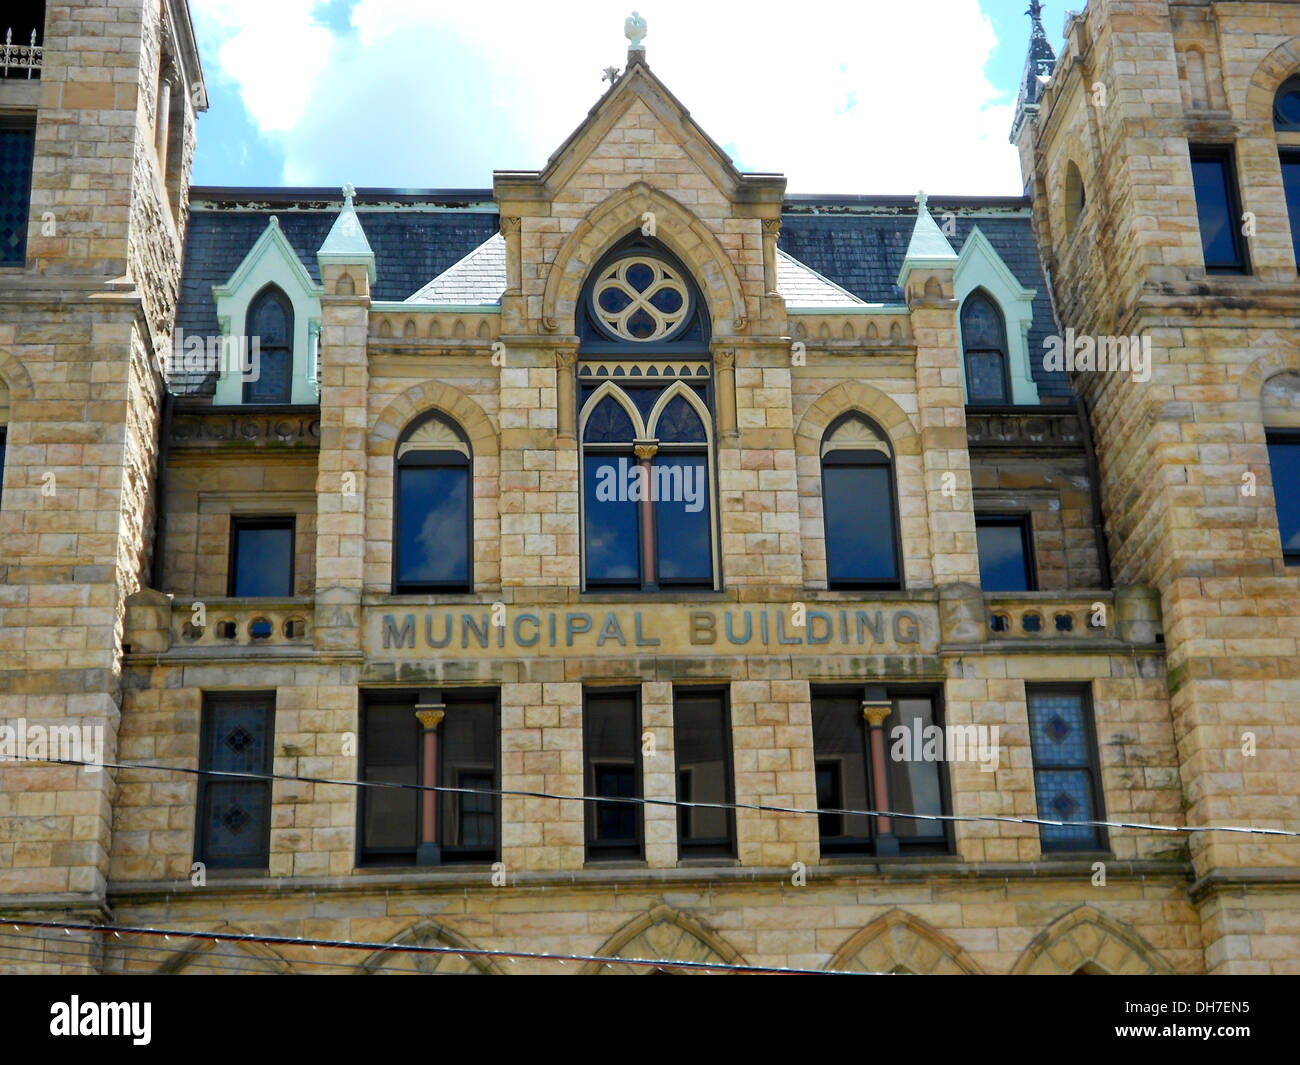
[349, 191]
[634, 30]
[610, 75]
[921, 200]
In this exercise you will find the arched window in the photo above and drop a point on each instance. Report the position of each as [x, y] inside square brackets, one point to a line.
[647, 519]
[645, 425]
[984, 342]
[269, 326]
[432, 516]
[1286, 121]
[858, 505]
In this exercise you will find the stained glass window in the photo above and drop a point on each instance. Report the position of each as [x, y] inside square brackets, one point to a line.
[1065, 777]
[17, 144]
[269, 333]
[1286, 107]
[984, 340]
[234, 815]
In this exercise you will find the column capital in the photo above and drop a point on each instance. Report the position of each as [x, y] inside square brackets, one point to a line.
[875, 712]
[645, 451]
[430, 715]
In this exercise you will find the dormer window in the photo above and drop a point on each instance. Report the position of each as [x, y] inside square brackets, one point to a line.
[270, 334]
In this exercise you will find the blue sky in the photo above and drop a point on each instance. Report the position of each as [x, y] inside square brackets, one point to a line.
[876, 98]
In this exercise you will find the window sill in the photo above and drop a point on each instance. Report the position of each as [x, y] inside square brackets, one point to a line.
[707, 863]
[615, 863]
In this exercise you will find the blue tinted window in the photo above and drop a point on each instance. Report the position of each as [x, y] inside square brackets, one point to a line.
[682, 519]
[263, 558]
[859, 508]
[1216, 208]
[433, 526]
[1291, 183]
[17, 143]
[1064, 777]
[1284, 460]
[1004, 555]
[611, 527]
[269, 332]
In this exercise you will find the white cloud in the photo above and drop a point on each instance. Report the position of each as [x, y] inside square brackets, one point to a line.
[872, 98]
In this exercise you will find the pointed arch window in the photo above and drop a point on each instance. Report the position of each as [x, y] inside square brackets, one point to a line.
[647, 488]
[432, 513]
[984, 343]
[859, 506]
[270, 325]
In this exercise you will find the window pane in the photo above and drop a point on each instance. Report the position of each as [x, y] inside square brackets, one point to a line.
[981, 324]
[679, 423]
[2, 462]
[859, 507]
[263, 560]
[269, 321]
[1291, 183]
[985, 377]
[391, 752]
[16, 147]
[1284, 459]
[274, 368]
[233, 825]
[682, 519]
[612, 539]
[609, 423]
[612, 749]
[1003, 557]
[468, 736]
[914, 786]
[433, 532]
[841, 762]
[1063, 773]
[1214, 206]
[703, 774]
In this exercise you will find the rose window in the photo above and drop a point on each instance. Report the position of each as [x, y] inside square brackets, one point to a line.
[639, 299]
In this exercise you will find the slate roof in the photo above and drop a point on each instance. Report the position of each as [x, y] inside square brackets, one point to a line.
[864, 252]
[480, 277]
[849, 248]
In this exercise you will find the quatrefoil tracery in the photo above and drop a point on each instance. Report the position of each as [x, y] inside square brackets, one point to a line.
[639, 299]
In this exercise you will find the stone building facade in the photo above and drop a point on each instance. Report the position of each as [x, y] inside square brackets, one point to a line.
[402, 583]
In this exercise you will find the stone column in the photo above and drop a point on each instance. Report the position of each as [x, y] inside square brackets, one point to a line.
[167, 79]
[645, 453]
[430, 712]
[875, 711]
[724, 363]
[565, 398]
[771, 232]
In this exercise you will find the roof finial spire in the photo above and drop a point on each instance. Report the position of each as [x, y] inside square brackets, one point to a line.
[634, 31]
[349, 191]
[922, 200]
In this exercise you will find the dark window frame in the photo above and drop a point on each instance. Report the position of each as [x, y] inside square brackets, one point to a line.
[1290, 438]
[857, 848]
[711, 847]
[256, 522]
[598, 851]
[1226, 157]
[424, 459]
[860, 458]
[1024, 521]
[1093, 768]
[201, 842]
[274, 292]
[1003, 352]
[26, 123]
[4, 440]
[403, 857]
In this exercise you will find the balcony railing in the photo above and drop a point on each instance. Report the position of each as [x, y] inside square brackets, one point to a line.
[19, 60]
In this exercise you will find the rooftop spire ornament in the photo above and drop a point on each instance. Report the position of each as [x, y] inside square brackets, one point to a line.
[634, 31]
[610, 75]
